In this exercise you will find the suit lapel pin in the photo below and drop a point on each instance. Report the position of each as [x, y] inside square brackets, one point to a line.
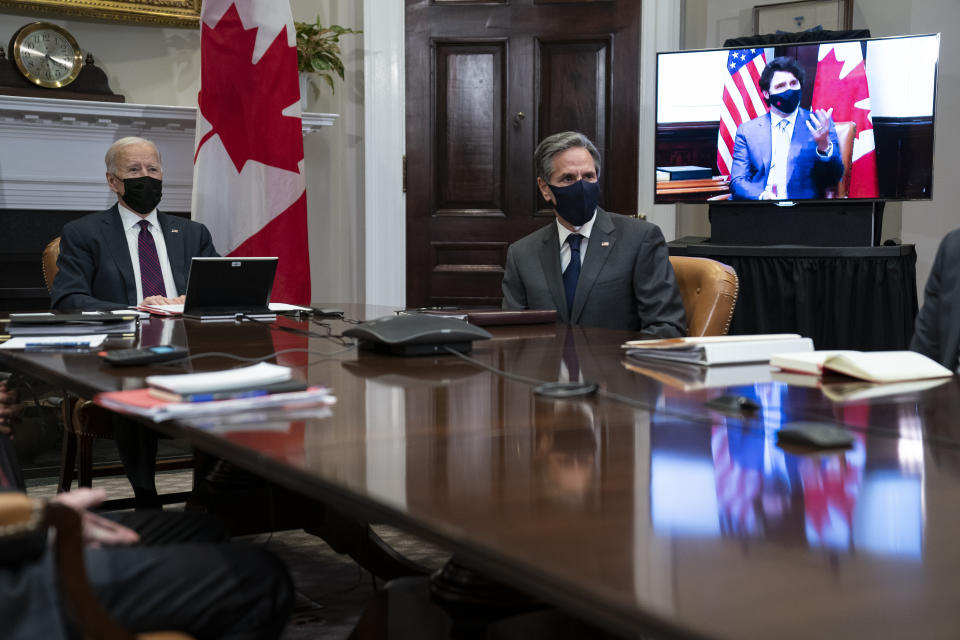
[604, 244]
[174, 230]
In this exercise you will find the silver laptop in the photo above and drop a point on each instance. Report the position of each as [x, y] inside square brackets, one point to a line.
[225, 288]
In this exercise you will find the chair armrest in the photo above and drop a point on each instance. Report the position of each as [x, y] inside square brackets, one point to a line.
[17, 511]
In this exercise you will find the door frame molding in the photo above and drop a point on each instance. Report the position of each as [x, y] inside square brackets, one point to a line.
[384, 106]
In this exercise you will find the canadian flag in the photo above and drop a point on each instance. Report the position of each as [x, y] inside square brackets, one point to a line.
[842, 84]
[248, 182]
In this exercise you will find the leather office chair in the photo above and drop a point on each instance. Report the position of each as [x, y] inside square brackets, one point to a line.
[846, 134]
[22, 516]
[709, 290]
[83, 421]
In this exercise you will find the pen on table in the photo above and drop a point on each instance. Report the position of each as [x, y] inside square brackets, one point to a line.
[56, 345]
[225, 395]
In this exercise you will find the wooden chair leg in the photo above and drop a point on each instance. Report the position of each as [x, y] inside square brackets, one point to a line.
[68, 461]
[68, 453]
[84, 460]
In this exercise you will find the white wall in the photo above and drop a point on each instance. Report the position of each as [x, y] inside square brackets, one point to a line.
[334, 161]
[156, 65]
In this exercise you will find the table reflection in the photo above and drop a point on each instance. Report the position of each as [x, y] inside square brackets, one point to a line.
[731, 479]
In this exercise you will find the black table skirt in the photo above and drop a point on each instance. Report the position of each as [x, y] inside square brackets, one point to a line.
[845, 298]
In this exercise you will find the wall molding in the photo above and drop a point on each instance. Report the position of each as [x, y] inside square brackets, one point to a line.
[385, 230]
[51, 150]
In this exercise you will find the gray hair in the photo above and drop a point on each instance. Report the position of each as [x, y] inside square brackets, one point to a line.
[114, 151]
[558, 143]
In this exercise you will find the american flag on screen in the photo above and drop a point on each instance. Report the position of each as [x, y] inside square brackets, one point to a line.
[737, 487]
[741, 100]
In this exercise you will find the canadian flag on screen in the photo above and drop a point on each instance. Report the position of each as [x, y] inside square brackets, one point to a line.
[248, 182]
[842, 84]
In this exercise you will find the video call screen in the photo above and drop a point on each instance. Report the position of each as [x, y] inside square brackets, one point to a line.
[857, 123]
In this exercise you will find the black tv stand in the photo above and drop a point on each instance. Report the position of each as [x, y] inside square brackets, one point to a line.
[843, 297]
[837, 223]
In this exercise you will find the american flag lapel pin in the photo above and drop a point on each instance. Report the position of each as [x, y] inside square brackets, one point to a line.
[605, 244]
[174, 230]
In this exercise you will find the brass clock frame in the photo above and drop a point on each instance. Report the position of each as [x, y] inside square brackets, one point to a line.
[31, 28]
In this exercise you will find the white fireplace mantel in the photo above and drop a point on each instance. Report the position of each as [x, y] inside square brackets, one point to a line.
[51, 150]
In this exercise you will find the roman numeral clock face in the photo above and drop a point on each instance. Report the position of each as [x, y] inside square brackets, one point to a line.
[47, 55]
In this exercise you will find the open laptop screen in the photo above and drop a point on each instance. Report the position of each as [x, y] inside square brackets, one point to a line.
[229, 285]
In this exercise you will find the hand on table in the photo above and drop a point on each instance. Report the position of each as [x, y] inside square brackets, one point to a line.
[97, 530]
[155, 300]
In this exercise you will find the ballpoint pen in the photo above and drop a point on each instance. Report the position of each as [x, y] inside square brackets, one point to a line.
[33, 346]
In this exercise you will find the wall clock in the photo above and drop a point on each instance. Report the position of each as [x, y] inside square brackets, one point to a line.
[47, 55]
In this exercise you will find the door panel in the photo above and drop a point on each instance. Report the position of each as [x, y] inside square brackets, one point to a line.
[469, 138]
[485, 82]
[572, 77]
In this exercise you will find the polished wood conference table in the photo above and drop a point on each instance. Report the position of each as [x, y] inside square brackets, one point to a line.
[647, 514]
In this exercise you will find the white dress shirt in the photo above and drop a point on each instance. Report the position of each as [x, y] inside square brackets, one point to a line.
[563, 232]
[131, 227]
[780, 151]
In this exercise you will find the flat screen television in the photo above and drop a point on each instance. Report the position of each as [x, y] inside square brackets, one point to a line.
[718, 139]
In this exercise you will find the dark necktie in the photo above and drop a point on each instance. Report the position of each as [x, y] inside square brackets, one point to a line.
[572, 274]
[151, 277]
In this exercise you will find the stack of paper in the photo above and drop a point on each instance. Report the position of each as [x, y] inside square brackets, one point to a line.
[262, 373]
[142, 403]
[208, 394]
[712, 350]
[690, 377]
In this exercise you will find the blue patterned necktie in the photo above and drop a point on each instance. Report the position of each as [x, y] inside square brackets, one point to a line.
[572, 274]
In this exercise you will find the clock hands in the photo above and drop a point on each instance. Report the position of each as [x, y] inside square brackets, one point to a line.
[58, 61]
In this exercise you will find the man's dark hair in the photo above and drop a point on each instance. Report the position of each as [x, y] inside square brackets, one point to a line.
[783, 63]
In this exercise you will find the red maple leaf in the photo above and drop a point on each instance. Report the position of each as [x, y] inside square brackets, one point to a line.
[830, 91]
[243, 102]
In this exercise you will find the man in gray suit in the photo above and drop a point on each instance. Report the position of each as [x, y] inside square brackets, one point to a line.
[596, 268]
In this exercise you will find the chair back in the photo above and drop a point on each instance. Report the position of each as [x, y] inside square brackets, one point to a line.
[49, 262]
[709, 290]
[846, 134]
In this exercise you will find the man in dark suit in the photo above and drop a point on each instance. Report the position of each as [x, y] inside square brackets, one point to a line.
[595, 268]
[936, 333]
[151, 571]
[130, 253]
[126, 255]
[789, 152]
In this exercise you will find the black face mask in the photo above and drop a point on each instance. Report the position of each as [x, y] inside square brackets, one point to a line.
[142, 194]
[577, 202]
[785, 101]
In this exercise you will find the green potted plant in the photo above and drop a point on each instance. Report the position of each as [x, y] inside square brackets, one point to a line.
[318, 51]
